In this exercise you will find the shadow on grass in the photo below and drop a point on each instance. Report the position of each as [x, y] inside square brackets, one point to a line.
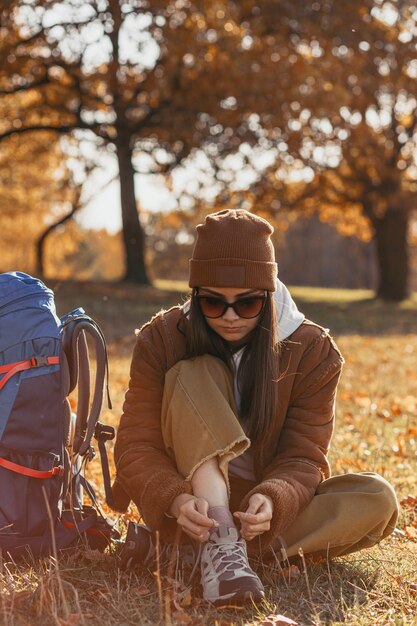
[368, 316]
[120, 308]
[322, 594]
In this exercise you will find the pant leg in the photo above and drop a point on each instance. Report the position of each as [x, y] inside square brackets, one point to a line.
[348, 513]
[199, 418]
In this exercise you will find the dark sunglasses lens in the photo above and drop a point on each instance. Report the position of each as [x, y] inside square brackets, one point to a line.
[211, 307]
[249, 307]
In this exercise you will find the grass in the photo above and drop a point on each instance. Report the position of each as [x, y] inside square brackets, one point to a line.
[376, 431]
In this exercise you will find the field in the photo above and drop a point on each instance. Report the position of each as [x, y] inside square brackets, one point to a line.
[376, 431]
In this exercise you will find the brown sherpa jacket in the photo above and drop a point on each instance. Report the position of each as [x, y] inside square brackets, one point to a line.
[289, 469]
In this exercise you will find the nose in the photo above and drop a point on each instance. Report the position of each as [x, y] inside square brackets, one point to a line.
[230, 315]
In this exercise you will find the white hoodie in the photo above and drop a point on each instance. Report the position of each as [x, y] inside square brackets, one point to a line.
[289, 317]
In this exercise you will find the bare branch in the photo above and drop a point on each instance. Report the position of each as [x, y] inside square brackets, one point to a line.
[96, 128]
[46, 29]
[20, 131]
[9, 92]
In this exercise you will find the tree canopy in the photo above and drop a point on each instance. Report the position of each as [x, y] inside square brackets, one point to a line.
[332, 91]
[326, 91]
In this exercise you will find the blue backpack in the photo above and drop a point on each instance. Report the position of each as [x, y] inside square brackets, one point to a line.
[44, 447]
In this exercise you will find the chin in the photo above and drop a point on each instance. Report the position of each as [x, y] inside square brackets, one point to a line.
[238, 338]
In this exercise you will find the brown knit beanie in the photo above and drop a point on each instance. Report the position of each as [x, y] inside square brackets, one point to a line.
[234, 249]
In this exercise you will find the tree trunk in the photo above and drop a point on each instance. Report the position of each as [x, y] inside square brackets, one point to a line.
[40, 244]
[133, 234]
[393, 255]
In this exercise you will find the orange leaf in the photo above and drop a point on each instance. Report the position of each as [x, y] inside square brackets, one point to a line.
[291, 572]
[411, 532]
[410, 502]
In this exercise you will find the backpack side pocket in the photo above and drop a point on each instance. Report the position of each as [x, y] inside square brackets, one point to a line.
[27, 478]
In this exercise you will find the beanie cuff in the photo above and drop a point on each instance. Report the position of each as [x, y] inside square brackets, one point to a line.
[233, 273]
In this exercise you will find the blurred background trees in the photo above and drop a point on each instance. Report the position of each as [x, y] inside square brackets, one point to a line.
[283, 107]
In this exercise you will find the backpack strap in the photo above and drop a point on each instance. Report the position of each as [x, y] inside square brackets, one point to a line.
[10, 369]
[74, 342]
[76, 328]
[57, 470]
[104, 433]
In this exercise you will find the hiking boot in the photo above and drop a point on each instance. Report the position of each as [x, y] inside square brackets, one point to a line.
[226, 576]
[140, 549]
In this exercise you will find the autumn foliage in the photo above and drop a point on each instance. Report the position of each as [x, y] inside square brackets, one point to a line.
[280, 106]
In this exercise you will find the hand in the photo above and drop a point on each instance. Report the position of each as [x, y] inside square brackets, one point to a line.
[257, 518]
[191, 514]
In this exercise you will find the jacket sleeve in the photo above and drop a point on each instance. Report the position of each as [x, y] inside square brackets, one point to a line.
[144, 472]
[300, 462]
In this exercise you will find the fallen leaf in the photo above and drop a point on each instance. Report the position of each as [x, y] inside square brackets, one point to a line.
[291, 573]
[363, 401]
[411, 532]
[410, 546]
[410, 502]
[186, 599]
[410, 404]
[410, 586]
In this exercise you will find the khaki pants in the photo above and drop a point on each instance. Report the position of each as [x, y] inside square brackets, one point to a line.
[347, 513]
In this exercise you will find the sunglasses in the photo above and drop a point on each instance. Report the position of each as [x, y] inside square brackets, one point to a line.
[212, 306]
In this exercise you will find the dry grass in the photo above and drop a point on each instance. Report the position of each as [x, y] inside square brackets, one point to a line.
[376, 431]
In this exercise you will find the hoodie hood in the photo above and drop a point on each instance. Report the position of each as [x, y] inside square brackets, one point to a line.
[289, 317]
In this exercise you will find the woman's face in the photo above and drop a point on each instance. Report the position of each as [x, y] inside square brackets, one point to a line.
[230, 326]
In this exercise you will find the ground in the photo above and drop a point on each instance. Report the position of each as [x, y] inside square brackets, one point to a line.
[376, 431]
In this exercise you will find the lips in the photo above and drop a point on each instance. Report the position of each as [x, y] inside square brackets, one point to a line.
[231, 330]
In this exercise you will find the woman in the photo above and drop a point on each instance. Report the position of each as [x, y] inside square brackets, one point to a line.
[228, 418]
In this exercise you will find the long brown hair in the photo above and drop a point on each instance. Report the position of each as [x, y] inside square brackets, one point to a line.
[258, 368]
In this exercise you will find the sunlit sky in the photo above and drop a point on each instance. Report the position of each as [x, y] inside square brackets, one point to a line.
[104, 210]
[136, 44]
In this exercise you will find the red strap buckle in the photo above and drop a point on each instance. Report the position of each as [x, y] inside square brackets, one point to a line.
[39, 361]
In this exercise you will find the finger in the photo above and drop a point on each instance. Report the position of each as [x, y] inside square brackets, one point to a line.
[257, 528]
[263, 515]
[246, 518]
[197, 518]
[187, 522]
[202, 506]
[249, 534]
[255, 504]
[248, 531]
[260, 518]
[196, 529]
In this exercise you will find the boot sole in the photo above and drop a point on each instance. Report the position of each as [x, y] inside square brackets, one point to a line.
[238, 599]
